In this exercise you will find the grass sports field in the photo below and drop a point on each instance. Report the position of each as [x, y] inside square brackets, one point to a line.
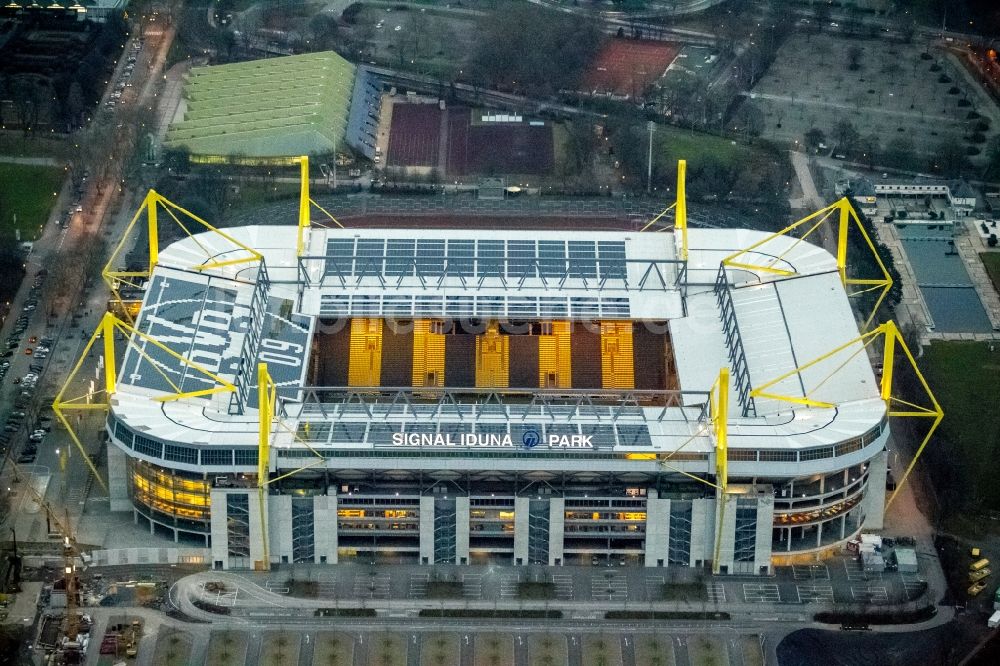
[29, 193]
[965, 377]
[992, 262]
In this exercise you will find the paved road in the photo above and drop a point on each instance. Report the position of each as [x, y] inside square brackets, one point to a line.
[31, 161]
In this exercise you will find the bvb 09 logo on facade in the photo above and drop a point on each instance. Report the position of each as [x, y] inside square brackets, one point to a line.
[530, 439]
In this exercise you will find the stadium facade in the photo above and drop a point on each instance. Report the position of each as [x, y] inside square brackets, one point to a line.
[467, 396]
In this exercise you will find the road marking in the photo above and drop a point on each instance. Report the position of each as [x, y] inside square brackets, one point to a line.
[813, 594]
[811, 572]
[761, 593]
[371, 586]
[508, 585]
[276, 586]
[654, 588]
[418, 585]
[472, 586]
[872, 593]
[610, 586]
[856, 574]
[564, 586]
[716, 593]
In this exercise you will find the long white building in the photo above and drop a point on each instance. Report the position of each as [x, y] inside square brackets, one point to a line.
[471, 396]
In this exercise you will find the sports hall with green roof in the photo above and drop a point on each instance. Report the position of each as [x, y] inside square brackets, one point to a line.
[276, 107]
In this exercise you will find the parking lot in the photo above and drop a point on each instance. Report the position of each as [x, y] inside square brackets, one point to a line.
[898, 90]
[835, 581]
[25, 428]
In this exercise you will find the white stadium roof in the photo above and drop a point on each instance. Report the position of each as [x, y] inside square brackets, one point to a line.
[783, 322]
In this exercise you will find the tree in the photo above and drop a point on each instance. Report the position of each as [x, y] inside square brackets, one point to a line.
[814, 138]
[75, 105]
[854, 58]
[950, 158]
[993, 158]
[870, 145]
[899, 152]
[533, 50]
[749, 119]
[846, 136]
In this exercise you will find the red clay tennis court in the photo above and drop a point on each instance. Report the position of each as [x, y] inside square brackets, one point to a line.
[627, 66]
[423, 135]
[414, 135]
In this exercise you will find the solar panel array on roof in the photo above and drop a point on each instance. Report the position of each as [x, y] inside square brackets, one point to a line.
[466, 258]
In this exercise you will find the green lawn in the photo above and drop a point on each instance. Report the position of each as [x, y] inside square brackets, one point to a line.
[992, 262]
[965, 377]
[28, 192]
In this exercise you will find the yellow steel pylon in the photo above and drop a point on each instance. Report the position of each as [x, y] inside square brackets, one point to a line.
[680, 217]
[718, 412]
[846, 215]
[892, 341]
[267, 401]
[305, 201]
[151, 205]
[106, 330]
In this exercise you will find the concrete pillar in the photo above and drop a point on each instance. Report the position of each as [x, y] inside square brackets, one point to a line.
[521, 530]
[426, 529]
[325, 538]
[118, 479]
[873, 504]
[220, 536]
[461, 530]
[702, 531]
[279, 533]
[657, 528]
[258, 528]
[557, 516]
[765, 522]
[727, 541]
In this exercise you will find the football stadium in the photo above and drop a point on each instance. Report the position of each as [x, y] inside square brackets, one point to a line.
[653, 395]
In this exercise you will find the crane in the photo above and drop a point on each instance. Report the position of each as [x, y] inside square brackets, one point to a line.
[69, 554]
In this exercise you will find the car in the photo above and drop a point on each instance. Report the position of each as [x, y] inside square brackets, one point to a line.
[976, 588]
[33, 339]
[26, 459]
[10, 427]
[43, 428]
[36, 438]
[17, 380]
[7, 354]
[39, 431]
[17, 415]
[28, 351]
[31, 375]
[42, 350]
[35, 367]
[397, 28]
[5, 364]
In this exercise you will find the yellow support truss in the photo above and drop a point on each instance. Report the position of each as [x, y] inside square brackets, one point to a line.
[895, 407]
[719, 410]
[845, 216]
[267, 402]
[680, 216]
[106, 330]
[152, 204]
[305, 201]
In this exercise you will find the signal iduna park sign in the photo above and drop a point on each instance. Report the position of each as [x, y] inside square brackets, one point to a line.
[529, 440]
